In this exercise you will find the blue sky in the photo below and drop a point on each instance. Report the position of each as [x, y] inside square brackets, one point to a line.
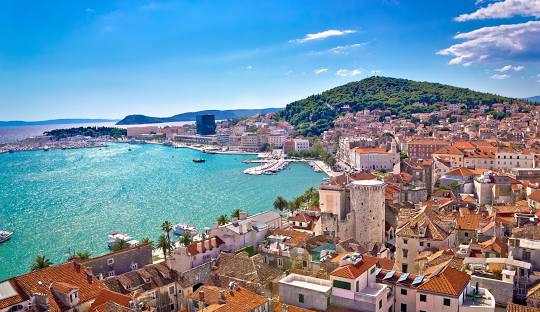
[107, 59]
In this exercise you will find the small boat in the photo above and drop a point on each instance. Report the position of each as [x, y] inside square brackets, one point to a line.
[179, 229]
[199, 160]
[46, 148]
[4, 235]
[115, 237]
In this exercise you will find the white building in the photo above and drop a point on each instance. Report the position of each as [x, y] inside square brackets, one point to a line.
[371, 158]
[187, 257]
[305, 291]
[247, 231]
[301, 145]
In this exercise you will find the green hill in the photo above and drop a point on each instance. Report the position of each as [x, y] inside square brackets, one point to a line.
[315, 114]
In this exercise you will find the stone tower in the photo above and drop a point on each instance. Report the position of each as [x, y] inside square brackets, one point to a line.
[367, 212]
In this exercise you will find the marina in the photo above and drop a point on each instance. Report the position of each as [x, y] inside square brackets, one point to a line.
[83, 195]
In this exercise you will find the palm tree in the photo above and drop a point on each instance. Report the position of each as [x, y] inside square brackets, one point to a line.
[222, 220]
[236, 213]
[165, 244]
[185, 239]
[83, 255]
[167, 227]
[40, 263]
[280, 203]
[295, 204]
[120, 244]
[146, 240]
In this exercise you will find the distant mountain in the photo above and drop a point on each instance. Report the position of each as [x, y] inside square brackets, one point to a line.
[52, 122]
[534, 99]
[315, 114]
[190, 116]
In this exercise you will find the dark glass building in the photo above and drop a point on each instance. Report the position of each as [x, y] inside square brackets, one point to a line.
[206, 124]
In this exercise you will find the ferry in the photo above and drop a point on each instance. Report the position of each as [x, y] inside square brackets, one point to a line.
[199, 160]
[179, 229]
[115, 237]
[4, 235]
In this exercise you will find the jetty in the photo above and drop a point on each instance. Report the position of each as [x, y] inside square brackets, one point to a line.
[270, 167]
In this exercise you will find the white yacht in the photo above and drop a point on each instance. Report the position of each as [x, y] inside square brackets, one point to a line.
[4, 235]
[115, 237]
[180, 229]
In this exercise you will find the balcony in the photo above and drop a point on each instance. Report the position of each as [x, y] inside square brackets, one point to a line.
[484, 302]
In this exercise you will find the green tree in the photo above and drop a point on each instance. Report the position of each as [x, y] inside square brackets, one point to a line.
[222, 219]
[167, 227]
[120, 244]
[185, 239]
[83, 255]
[403, 155]
[146, 240]
[40, 262]
[235, 213]
[280, 203]
[165, 244]
[296, 204]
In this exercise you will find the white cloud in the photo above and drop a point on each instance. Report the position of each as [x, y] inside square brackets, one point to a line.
[348, 72]
[346, 48]
[497, 43]
[504, 9]
[323, 35]
[510, 67]
[249, 67]
[89, 10]
[500, 76]
[376, 72]
[320, 71]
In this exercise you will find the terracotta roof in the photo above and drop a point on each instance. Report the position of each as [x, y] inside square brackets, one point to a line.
[496, 245]
[369, 150]
[535, 195]
[16, 299]
[296, 237]
[425, 224]
[450, 150]
[448, 281]
[383, 263]
[238, 299]
[512, 307]
[469, 222]
[192, 248]
[107, 296]
[70, 273]
[242, 267]
[63, 288]
[460, 172]
[352, 271]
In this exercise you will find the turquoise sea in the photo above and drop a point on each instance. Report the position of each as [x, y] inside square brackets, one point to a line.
[63, 201]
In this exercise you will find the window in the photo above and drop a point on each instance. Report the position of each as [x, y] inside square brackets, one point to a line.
[134, 266]
[357, 286]
[405, 241]
[172, 306]
[171, 290]
[342, 285]
[404, 292]
[466, 234]
[404, 268]
[301, 298]
[421, 244]
[403, 307]
[446, 302]
[423, 298]
[380, 304]
[405, 253]
[110, 273]
[279, 262]
[110, 261]
[372, 270]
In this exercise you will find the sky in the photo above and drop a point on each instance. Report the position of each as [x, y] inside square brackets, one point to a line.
[108, 59]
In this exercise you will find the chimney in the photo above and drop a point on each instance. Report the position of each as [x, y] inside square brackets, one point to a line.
[207, 244]
[89, 276]
[222, 295]
[77, 265]
[283, 307]
[201, 295]
[243, 215]
[199, 247]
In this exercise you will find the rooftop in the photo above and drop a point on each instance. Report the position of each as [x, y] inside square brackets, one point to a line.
[307, 282]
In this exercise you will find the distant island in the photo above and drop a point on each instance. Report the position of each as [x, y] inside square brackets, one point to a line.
[52, 122]
[93, 132]
[190, 116]
[534, 99]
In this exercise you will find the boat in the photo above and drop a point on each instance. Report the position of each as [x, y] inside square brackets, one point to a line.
[116, 237]
[180, 228]
[199, 160]
[5, 235]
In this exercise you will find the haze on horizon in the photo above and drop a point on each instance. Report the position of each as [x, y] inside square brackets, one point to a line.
[108, 59]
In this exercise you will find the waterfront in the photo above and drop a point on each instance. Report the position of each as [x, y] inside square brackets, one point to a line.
[64, 201]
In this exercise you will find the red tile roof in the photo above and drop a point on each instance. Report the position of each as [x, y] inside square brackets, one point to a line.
[352, 271]
[107, 296]
[192, 248]
[448, 281]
